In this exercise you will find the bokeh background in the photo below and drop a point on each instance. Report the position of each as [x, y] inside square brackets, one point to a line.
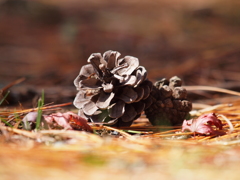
[47, 41]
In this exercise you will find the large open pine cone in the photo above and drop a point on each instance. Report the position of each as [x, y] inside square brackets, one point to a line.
[112, 90]
[169, 103]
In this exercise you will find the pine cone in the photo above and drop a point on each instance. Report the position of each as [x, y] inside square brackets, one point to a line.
[111, 90]
[116, 91]
[169, 103]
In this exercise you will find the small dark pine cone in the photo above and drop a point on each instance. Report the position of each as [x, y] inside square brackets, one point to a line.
[169, 103]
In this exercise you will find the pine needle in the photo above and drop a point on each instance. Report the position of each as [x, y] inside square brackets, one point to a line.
[210, 88]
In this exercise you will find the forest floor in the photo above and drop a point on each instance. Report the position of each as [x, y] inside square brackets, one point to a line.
[43, 45]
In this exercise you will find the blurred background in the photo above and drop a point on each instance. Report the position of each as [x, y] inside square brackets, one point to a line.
[47, 42]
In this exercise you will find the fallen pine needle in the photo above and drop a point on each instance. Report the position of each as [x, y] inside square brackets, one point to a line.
[20, 132]
[210, 88]
[231, 128]
[126, 135]
[43, 108]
